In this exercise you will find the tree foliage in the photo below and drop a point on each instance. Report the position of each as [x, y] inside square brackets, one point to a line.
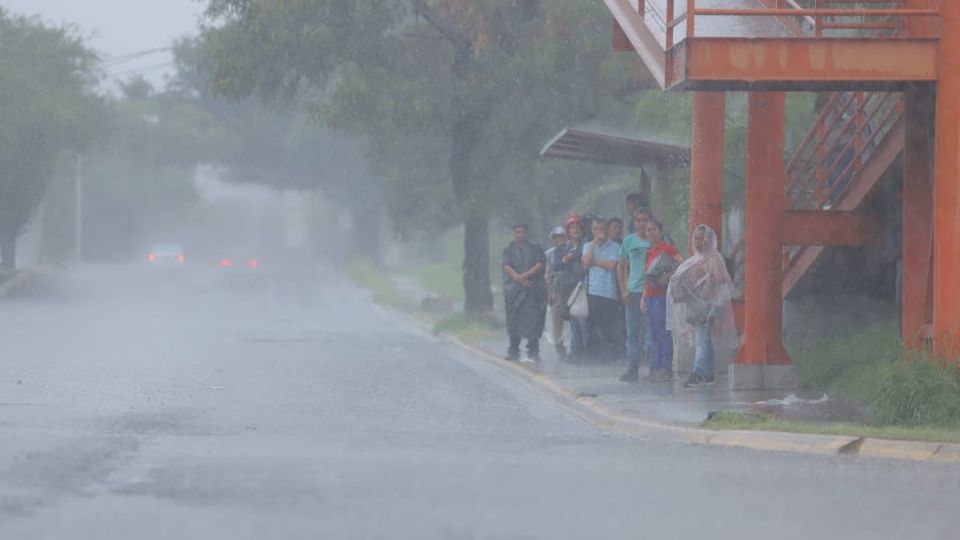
[453, 97]
[48, 106]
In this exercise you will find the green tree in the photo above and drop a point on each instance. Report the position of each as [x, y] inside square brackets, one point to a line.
[48, 106]
[452, 96]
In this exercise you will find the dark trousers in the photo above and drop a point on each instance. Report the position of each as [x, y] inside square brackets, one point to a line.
[605, 327]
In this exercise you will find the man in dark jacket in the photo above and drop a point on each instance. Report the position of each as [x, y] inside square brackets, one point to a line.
[525, 293]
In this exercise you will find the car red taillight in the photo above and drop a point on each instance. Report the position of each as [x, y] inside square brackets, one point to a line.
[152, 257]
[253, 263]
[181, 258]
[225, 263]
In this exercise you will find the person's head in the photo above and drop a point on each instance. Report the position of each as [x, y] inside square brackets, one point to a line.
[704, 239]
[615, 229]
[640, 218]
[558, 236]
[654, 231]
[634, 201]
[599, 230]
[520, 232]
[574, 227]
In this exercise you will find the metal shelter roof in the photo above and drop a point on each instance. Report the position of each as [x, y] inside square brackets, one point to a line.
[580, 145]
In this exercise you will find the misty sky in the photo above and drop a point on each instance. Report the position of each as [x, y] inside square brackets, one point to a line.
[119, 27]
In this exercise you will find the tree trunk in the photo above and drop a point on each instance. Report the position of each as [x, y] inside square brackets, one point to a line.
[476, 264]
[8, 252]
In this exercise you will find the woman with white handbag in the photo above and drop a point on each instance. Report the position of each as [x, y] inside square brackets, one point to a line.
[569, 274]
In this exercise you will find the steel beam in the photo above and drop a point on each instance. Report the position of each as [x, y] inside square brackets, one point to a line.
[917, 212]
[946, 213]
[706, 165]
[763, 320]
[734, 63]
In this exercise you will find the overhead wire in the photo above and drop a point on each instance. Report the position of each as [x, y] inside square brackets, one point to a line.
[124, 58]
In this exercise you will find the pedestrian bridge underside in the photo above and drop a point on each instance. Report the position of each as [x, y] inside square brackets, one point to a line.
[780, 45]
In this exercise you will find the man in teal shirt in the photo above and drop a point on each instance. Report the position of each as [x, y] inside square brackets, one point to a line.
[631, 273]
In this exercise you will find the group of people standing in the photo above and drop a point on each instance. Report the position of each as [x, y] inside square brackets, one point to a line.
[639, 292]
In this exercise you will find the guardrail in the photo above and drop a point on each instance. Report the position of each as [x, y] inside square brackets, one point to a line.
[813, 18]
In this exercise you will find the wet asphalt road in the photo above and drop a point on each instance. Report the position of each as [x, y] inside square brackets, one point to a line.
[145, 405]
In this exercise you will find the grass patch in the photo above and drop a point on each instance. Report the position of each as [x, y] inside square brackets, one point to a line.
[762, 422]
[920, 390]
[469, 327]
[853, 366]
[442, 278]
[365, 274]
[913, 392]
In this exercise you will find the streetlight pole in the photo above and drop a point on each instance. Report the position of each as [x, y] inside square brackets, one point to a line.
[78, 210]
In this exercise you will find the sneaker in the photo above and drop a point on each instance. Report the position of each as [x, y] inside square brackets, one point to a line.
[533, 357]
[653, 376]
[512, 357]
[707, 381]
[632, 375]
[663, 375]
[695, 381]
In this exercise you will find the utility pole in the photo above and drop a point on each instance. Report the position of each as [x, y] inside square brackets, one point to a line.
[78, 210]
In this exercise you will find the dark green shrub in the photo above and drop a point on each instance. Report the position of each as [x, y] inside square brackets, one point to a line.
[919, 390]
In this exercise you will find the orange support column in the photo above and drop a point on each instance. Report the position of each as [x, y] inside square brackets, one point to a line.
[762, 361]
[706, 161]
[917, 214]
[946, 213]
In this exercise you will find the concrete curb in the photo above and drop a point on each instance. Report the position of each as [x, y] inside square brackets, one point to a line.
[604, 417]
[22, 278]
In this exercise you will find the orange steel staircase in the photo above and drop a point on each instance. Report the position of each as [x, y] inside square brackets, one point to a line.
[855, 140]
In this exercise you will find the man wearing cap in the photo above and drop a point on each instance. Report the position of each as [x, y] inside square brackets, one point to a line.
[558, 237]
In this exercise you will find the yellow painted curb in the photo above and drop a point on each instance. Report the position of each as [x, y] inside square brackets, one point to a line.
[913, 450]
[784, 442]
[947, 453]
[605, 418]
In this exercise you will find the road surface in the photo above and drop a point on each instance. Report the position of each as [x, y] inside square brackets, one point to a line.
[157, 405]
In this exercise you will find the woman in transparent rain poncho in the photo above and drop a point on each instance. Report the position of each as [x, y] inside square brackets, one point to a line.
[699, 308]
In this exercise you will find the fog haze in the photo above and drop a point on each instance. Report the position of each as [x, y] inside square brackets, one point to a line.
[119, 27]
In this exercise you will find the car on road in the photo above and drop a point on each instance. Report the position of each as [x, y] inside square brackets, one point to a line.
[166, 255]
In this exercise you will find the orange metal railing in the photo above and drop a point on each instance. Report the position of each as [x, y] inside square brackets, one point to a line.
[801, 18]
[830, 160]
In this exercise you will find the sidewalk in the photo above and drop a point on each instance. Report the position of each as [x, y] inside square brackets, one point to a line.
[667, 403]
[594, 392]
[670, 403]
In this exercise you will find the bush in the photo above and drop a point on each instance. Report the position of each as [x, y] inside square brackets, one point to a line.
[919, 390]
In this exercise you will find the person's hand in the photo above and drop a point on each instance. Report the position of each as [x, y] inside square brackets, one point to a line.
[567, 258]
[627, 297]
[643, 305]
[552, 298]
